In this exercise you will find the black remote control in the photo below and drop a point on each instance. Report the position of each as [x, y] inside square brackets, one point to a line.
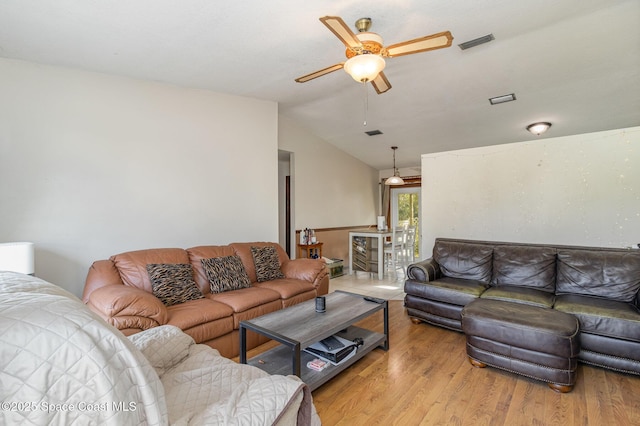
[374, 300]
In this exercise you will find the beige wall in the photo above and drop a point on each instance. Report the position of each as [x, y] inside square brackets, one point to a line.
[92, 165]
[581, 189]
[331, 188]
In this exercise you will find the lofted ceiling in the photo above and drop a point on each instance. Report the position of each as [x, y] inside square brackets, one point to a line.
[574, 63]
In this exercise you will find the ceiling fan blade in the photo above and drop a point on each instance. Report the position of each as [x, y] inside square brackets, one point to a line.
[422, 44]
[319, 73]
[380, 83]
[341, 30]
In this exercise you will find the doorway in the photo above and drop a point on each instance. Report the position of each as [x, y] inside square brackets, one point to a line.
[405, 210]
[286, 191]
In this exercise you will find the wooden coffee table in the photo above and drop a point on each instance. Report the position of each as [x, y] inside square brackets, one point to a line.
[299, 326]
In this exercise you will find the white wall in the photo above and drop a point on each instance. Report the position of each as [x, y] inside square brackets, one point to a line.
[580, 190]
[331, 188]
[92, 165]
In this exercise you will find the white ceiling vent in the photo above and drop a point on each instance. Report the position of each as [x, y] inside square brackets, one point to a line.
[502, 99]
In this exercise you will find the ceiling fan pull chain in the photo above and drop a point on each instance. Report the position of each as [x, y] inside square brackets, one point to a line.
[366, 102]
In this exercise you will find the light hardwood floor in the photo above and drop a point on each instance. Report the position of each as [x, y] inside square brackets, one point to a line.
[426, 379]
[391, 287]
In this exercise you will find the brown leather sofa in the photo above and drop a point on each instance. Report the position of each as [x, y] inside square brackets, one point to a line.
[599, 286]
[120, 291]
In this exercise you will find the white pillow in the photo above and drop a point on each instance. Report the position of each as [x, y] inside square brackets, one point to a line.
[163, 346]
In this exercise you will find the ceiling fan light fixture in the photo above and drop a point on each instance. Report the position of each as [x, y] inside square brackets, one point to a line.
[395, 179]
[365, 67]
[365, 51]
[538, 128]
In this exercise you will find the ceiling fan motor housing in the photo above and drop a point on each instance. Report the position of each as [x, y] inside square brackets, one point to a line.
[371, 43]
[363, 24]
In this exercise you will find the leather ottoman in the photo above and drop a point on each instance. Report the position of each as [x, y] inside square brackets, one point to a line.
[536, 342]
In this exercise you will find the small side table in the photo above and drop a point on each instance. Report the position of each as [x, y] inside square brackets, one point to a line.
[313, 251]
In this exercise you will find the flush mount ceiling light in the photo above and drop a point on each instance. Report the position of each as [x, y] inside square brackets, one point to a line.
[538, 128]
[395, 179]
[502, 99]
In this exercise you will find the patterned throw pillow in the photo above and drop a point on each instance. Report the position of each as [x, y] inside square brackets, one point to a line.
[225, 273]
[173, 283]
[267, 264]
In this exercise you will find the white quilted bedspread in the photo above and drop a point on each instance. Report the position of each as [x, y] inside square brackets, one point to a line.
[217, 391]
[63, 365]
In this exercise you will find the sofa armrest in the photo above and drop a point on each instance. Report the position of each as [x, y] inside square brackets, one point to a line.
[128, 307]
[312, 270]
[102, 273]
[425, 271]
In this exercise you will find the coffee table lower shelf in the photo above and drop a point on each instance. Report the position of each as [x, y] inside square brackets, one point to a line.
[278, 359]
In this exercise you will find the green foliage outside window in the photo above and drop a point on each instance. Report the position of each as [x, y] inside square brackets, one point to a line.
[408, 213]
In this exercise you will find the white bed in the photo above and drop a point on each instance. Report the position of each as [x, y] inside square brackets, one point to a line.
[62, 364]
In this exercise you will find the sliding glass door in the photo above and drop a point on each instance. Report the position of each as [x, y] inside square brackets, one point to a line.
[405, 203]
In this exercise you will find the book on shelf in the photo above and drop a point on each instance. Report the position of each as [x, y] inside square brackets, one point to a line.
[318, 364]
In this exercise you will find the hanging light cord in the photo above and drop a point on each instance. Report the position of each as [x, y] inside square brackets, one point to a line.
[395, 171]
[366, 101]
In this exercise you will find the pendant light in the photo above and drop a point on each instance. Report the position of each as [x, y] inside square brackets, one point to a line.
[395, 179]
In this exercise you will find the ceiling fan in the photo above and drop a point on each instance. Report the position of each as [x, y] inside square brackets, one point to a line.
[365, 51]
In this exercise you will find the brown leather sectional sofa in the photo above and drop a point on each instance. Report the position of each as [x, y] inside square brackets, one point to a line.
[120, 291]
[599, 286]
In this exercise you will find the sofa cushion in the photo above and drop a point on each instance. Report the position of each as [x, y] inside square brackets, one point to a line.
[464, 260]
[245, 298]
[613, 275]
[446, 289]
[524, 266]
[249, 303]
[266, 263]
[287, 288]
[202, 319]
[291, 291]
[524, 295]
[603, 317]
[225, 273]
[173, 283]
[195, 312]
